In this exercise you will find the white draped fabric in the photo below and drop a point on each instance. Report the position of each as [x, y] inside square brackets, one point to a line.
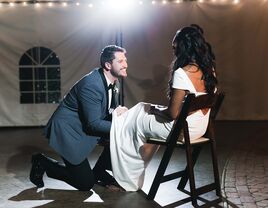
[127, 137]
[238, 34]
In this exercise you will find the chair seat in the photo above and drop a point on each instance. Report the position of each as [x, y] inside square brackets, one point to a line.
[195, 141]
[180, 142]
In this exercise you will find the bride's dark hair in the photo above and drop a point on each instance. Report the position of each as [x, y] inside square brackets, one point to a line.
[190, 47]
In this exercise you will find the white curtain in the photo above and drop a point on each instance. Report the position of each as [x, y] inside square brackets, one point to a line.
[238, 34]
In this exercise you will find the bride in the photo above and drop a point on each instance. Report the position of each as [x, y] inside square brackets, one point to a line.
[192, 71]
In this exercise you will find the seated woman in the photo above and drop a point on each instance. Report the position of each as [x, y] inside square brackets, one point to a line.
[192, 72]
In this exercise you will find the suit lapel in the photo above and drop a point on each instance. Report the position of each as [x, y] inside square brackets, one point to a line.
[100, 70]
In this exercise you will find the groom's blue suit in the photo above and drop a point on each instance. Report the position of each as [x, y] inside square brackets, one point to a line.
[80, 119]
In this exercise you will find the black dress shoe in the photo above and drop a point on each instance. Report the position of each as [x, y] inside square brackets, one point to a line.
[37, 171]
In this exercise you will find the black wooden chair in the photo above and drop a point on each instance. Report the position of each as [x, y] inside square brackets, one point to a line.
[192, 149]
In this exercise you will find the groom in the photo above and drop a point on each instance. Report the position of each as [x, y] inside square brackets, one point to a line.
[81, 119]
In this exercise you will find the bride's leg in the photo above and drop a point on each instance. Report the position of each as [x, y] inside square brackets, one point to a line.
[147, 151]
[155, 126]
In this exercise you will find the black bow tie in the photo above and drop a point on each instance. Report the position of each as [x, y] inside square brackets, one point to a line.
[111, 86]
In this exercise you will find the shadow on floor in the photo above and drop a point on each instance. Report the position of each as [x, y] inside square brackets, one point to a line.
[70, 198]
[98, 197]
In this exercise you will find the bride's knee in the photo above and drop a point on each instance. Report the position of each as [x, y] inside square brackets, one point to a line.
[141, 103]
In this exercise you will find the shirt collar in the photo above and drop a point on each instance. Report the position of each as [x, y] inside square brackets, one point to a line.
[107, 80]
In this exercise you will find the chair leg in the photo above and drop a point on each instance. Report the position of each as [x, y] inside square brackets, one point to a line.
[184, 178]
[191, 175]
[160, 172]
[215, 168]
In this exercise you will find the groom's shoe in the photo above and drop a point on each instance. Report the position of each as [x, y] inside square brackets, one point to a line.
[37, 171]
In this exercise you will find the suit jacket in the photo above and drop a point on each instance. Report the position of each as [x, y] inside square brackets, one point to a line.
[81, 118]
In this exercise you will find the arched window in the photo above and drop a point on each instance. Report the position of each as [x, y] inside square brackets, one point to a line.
[39, 75]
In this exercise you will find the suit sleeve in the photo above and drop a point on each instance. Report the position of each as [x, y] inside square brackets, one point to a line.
[91, 101]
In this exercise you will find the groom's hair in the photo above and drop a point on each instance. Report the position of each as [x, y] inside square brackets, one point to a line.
[107, 54]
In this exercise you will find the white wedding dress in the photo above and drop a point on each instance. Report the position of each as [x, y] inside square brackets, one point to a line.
[130, 130]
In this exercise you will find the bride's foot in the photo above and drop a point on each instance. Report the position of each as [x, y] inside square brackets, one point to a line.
[103, 178]
[115, 187]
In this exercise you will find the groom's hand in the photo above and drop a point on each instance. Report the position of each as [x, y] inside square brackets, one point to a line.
[120, 110]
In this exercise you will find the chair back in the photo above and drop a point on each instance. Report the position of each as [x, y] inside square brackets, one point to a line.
[193, 103]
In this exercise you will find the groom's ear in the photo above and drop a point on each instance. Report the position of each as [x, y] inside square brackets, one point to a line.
[108, 65]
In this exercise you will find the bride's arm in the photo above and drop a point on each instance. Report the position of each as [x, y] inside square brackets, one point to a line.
[174, 106]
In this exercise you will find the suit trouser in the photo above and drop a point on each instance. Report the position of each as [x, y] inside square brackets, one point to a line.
[79, 176]
[102, 164]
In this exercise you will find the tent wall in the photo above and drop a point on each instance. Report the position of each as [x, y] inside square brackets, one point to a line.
[238, 35]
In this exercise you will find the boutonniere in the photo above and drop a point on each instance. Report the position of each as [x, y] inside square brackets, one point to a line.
[116, 90]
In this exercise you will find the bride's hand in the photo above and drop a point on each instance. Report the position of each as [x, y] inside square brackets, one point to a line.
[159, 110]
[156, 109]
[120, 110]
[152, 109]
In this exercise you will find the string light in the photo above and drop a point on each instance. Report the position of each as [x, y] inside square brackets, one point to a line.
[65, 3]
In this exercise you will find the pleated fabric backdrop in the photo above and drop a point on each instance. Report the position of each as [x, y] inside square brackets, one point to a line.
[237, 32]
